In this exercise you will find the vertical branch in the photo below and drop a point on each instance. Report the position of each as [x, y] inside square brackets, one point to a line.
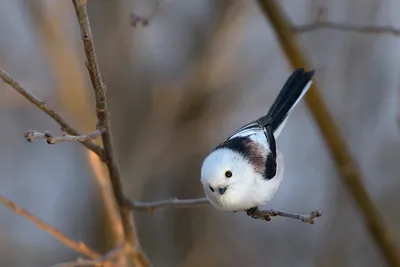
[71, 85]
[350, 173]
[110, 204]
[133, 247]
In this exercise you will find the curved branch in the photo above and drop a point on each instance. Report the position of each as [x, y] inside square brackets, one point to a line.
[350, 173]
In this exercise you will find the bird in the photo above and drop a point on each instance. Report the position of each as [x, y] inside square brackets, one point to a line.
[246, 170]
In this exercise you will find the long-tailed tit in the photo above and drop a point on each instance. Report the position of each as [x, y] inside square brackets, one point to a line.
[245, 171]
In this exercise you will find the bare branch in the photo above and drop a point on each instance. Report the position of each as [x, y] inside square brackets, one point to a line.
[321, 23]
[81, 263]
[53, 114]
[255, 213]
[368, 29]
[106, 260]
[267, 214]
[77, 246]
[133, 247]
[51, 140]
[110, 204]
[169, 203]
[350, 172]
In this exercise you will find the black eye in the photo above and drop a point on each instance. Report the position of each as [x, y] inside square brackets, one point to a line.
[212, 189]
[228, 174]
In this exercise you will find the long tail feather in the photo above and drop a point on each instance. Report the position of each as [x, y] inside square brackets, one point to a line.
[291, 93]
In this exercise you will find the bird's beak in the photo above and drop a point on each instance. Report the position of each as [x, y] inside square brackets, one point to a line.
[222, 190]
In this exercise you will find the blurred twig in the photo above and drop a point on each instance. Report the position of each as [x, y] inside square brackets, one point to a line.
[133, 247]
[214, 65]
[321, 23]
[136, 19]
[350, 173]
[69, 74]
[81, 263]
[200, 202]
[181, 110]
[369, 29]
[106, 260]
[77, 246]
[109, 201]
[53, 114]
[32, 134]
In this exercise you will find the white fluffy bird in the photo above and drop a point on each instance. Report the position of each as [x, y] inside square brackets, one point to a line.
[245, 171]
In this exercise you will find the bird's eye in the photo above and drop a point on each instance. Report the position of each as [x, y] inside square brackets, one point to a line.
[212, 189]
[228, 174]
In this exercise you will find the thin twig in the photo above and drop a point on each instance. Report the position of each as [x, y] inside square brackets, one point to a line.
[267, 214]
[255, 213]
[77, 246]
[169, 203]
[136, 19]
[86, 263]
[350, 173]
[133, 246]
[32, 134]
[368, 29]
[81, 263]
[106, 260]
[321, 23]
[53, 114]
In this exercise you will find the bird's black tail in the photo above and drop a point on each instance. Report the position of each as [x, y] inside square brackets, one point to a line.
[292, 92]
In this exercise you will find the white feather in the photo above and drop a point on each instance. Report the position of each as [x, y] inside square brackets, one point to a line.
[246, 188]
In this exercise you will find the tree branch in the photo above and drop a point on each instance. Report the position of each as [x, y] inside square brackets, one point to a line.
[132, 243]
[267, 214]
[321, 23]
[201, 202]
[110, 204]
[350, 173]
[77, 246]
[368, 29]
[53, 114]
[81, 263]
[32, 134]
[169, 203]
[106, 260]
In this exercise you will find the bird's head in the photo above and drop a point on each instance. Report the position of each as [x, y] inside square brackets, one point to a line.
[227, 177]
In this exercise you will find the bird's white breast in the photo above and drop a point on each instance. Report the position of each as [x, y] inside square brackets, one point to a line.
[252, 189]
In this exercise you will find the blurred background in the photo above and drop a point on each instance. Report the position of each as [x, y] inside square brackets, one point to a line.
[199, 70]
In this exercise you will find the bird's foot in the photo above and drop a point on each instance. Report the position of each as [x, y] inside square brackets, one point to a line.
[255, 213]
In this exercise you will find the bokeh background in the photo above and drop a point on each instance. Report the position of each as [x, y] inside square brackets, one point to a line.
[198, 71]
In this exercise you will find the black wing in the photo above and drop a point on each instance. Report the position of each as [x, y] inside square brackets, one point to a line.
[292, 91]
